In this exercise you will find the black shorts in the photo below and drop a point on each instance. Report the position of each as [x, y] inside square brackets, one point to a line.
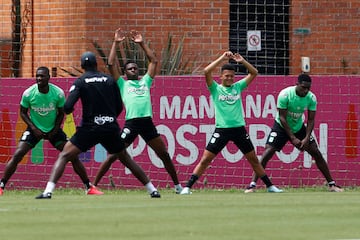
[278, 136]
[87, 137]
[222, 136]
[139, 126]
[29, 137]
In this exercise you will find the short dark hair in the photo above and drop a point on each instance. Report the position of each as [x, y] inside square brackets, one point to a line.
[304, 78]
[88, 60]
[128, 62]
[45, 69]
[228, 66]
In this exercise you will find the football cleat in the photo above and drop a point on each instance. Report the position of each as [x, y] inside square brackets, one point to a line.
[186, 191]
[250, 189]
[94, 191]
[44, 196]
[335, 188]
[273, 189]
[178, 189]
[1, 191]
[155, 194]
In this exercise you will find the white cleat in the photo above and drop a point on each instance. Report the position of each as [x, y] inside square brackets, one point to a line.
[273, 189]
[335, 188]
[185, 191]
[178, 189]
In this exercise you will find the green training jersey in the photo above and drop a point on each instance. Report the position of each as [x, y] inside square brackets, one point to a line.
[228, 104]
[43, 106]
[296, 106]
[136, 97]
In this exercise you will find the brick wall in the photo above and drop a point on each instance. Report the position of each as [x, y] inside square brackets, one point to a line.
[5, 66]
[5, 39]
[62, 30]
[334, 42]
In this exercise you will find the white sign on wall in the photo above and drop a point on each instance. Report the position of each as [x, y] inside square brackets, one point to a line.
[254, 40]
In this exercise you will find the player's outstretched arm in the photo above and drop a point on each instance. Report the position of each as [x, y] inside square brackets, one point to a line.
[138, 38]
[115, 71]
[251, 69]
[208, 70]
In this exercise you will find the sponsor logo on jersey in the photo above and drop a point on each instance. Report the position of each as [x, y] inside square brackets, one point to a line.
[96, 79]
[138, 91]
[230, 99]
[101, 120]
[44, 110]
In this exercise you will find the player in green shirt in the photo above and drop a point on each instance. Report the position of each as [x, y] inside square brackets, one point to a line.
[136, 97]
[41, 108]
[229, 119]
[289, 126]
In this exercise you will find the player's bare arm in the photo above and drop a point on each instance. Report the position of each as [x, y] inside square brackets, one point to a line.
[138, 38]
[211, 67]
[309, 128]
[251, 69]
[59, 119]
[115, 71]
[294, 140]
[25, 117]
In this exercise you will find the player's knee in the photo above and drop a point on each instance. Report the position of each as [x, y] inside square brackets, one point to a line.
[68, 156]
[205, 162]
[112, 158]
[164, 156]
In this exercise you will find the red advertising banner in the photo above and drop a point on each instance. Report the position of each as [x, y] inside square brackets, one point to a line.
[184, 115]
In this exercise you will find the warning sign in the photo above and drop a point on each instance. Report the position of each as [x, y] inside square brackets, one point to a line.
[253, 40]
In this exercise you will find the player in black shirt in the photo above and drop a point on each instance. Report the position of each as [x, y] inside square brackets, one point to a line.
[101, 104]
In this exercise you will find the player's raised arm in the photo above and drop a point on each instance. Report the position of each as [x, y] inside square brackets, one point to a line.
[251, 69]
[211, 67]
[138, 38]
[115, 70]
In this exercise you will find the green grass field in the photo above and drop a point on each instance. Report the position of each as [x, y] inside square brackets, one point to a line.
[204, 215]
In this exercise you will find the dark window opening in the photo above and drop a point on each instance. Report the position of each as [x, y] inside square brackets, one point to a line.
[271, 18]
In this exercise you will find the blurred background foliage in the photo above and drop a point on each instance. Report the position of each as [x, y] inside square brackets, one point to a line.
[172, 61]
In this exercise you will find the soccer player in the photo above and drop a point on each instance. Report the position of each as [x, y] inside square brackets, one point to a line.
[41, 108]
[229, 119]
[135, 94]
[101, 104]
[289, 126]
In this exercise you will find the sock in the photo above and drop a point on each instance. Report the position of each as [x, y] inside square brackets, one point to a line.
[3, 183]
[150, 187]
[192, 180]
[178, 186]
[50, 186]
[87, 184]
[332, 183]
[266, 180]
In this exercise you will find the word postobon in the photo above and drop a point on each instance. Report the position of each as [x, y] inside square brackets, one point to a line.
[187, 142]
